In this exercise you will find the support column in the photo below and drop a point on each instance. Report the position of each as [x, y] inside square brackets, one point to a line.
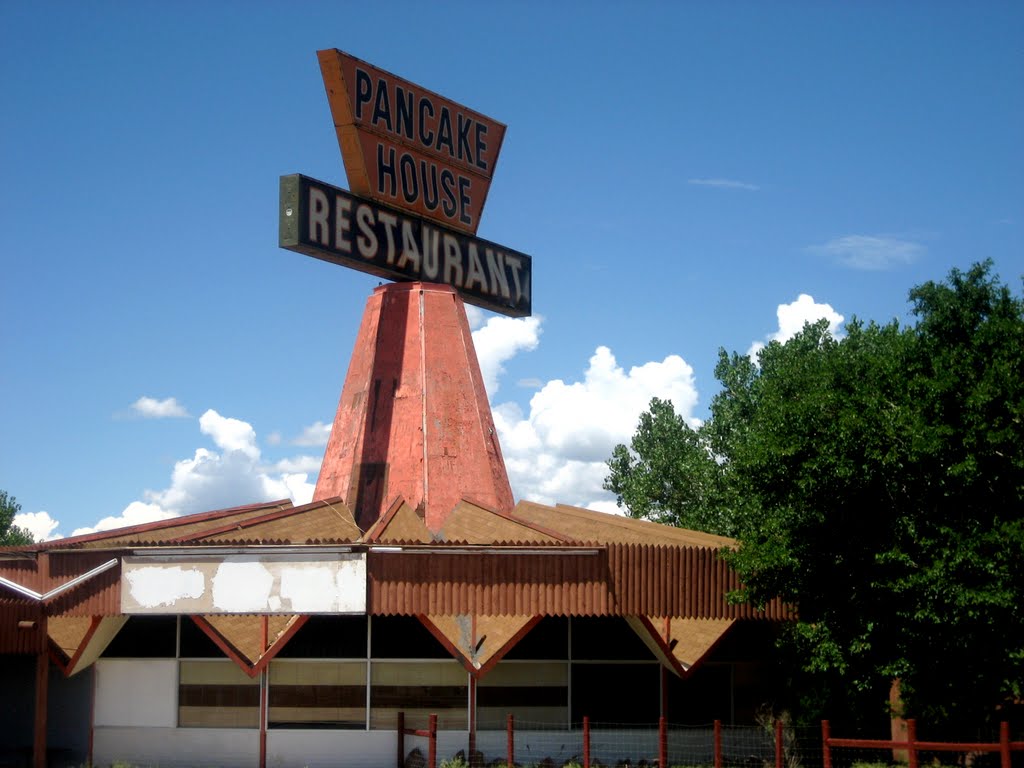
[42, 684]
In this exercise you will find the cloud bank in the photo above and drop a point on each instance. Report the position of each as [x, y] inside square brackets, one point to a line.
[555, 450]
[871, 252]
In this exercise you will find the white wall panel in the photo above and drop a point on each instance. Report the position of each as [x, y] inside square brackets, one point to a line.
[136, 692]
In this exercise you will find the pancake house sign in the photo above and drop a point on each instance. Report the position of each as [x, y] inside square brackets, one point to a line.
[419, 167]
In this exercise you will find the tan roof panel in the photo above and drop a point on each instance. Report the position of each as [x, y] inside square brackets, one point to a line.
[329, 519]
[480, 642]
[602, 528]
[171, 529]
[399, 525]
[473, 524]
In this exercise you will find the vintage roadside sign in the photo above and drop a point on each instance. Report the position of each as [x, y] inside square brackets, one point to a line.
[328, 223]
[407, 147]
[419, 166]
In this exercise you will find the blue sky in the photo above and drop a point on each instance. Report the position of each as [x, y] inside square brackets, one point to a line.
[681, 173]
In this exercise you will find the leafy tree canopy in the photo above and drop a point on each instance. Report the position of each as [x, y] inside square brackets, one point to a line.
[876, 482]
[10, 534]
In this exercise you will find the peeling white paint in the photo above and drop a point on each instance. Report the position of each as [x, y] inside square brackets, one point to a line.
[241, 586]
[310, 589]
[155, 587]
[240, 583]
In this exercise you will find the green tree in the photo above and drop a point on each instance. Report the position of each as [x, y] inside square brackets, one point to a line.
[11, 534]
[668, 474]
[882, 479]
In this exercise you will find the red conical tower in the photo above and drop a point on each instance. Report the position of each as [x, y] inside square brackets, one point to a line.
[414, 421]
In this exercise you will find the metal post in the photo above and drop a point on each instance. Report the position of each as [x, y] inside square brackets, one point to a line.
[401, 739]
[718, 744]
[662, 742]
[42, 681]
[586, 741]
[509, 728]
[826, 751]
[433, 742]
[471, 747]
[778, 743]
[1004, 744]
[912, 743]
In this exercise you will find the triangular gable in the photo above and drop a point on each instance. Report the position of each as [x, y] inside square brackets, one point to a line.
[77, 641]
[328, 520]
[474, 524]
[399, 525]
[242, 637]
[480, 642]
[679, 644]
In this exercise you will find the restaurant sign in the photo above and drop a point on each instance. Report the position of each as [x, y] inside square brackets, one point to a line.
[328, 223]
[407, 147]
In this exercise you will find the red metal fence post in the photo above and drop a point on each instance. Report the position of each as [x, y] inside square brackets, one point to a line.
[1004, 744]
[912, 743]
[718, 744]
[778, 743]
[401, 739]
[433, 742]
[826, 751]
[510, 729]
[586, 742]
[662, 742]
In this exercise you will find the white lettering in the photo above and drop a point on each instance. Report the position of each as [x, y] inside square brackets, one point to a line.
[318, 210]
[496, 266]
[516, 264]
[410, 253]
[431, 261]
[452, 261]
[342, 223]
[367, 240]
[476, 270]
[389, 220]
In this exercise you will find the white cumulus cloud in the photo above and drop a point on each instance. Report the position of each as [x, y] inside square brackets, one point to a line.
[871, 252]
[556, 453]
[151, 408]
[499, 340]
[39, 524]
[230, 476]
[316, 435]
[794, 316]
[135, 513]
[229, 434]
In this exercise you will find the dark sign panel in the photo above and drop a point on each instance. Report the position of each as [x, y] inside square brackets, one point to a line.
[328, 223]
[407, 147]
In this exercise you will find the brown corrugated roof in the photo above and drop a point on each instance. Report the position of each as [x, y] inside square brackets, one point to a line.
[400, 524]
[329, 519]
[162, 530]
[603, 528]
[475, 524]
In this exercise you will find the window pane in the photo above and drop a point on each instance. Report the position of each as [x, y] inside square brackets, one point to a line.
[419, 690]
[216, 694]
[145, 637]
[533, 692]
[328, 637]
[317, 694]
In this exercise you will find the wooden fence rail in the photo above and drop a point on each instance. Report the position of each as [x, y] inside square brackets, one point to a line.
[912, 746]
